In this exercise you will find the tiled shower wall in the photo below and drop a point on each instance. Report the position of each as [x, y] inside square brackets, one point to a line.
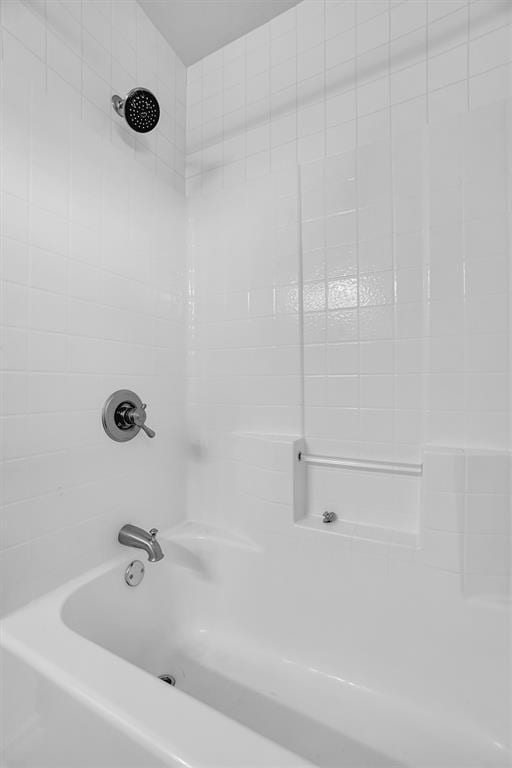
[406, 290]
[330, 75]
[244, 356]
[90, 305]
[93, 286]
[403, 322]
[396, 114]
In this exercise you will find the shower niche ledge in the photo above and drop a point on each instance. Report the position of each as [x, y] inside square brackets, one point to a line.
[372, 501]
[363, 532]
[369, 506]
[374, 510]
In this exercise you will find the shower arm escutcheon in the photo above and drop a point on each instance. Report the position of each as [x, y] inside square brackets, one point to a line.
[124, 415]
[118, 105]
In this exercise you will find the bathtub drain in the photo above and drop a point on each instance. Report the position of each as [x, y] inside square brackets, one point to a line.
[169, 679]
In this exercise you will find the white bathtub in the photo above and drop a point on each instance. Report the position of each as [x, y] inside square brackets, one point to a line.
[83, 664]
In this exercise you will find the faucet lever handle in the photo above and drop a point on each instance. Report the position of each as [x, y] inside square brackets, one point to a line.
[153, 532]
[139, 419]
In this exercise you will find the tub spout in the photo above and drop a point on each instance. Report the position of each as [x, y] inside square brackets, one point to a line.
[133, 536]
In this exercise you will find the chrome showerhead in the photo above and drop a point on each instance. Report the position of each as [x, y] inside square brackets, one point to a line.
[140, 109]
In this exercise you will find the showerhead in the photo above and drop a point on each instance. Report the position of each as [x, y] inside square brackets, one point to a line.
[140, 109]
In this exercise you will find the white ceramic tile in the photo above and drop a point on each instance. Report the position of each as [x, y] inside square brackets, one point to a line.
[447, 31]
[339, 16]
[444, 471]
[490, 86]
[439, 8]
[447, 68]
[486, 15]
[407, 16]
[372, 33]
[444, 511]
[64, 60]
[490, 51]
[24, 24]
[443, 550]
[488, 473]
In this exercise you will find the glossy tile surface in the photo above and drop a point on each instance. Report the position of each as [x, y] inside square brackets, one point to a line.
[328, 76]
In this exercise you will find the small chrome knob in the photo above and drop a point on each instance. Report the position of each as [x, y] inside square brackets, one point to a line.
[153, 532]
[329, 517]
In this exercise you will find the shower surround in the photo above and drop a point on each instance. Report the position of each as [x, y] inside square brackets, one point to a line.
[94, 286]
[348, 179]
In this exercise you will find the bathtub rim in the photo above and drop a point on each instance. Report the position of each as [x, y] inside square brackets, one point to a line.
[103, 682]
[17, 633]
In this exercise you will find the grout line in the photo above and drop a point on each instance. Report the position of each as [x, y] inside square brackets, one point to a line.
[357, 222]
[301, 303]
[468, 61]
[390, 145]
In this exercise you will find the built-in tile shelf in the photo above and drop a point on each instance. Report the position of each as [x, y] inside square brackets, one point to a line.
[391, 538]
[455, 517]
[369, 504]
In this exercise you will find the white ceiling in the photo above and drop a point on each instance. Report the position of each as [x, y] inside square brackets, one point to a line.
[196, 28]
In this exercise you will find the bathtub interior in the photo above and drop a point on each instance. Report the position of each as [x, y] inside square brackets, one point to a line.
[324, 674]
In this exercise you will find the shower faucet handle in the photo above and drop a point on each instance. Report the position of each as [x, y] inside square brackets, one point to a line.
[149, 432]
[138, 417]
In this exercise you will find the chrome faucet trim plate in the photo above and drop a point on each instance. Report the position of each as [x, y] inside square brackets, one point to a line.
[134, 573]
[124, 415]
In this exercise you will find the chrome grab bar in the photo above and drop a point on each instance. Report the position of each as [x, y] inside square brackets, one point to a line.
[360, 465]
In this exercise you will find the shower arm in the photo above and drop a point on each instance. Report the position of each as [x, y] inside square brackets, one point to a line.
[118, 104]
